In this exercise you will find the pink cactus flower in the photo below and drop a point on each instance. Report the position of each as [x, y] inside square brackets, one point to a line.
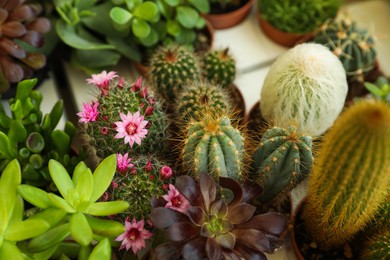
[123, 162]
[102, 80]
[149, 166]
[89, 112]
[137, 85]
[134, 236]
[166, 172]
[176, 201]
[131, 128]
[114, 185]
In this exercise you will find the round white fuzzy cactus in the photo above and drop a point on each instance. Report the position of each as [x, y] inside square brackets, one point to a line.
[305, 86]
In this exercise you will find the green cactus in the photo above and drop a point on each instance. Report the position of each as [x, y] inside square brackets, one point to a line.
[351, 176]
[214, 146]
[200, 97]
[377, 246]
[353, 45]
[219, 67]
[171, 68]
[281, 161]
[32, 138]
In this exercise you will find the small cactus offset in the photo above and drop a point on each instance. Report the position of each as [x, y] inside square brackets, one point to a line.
[378, 246]
[351, 175]
[353, 45]
[171, 68]
[200, 97]
[214, 146]
[219, 67]
[281, 161]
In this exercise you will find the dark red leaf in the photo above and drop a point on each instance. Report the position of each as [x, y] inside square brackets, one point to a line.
[219, 208]
[34, 38]
[205, 231]
[250, 191]
[181, 231]
[13, 29]
[3, 15]
[229, 255]
[35, 60]
[270, 223]
[188, 188]
[208, 190]
[257, 240]
[234, 186]
[197, 215]
[22, 13]
[165, 217]
[41, 25]
[167, 251]
[248, 253]
[11, 71]
[194, 249]
[158, 202]
[241, 213]
[226, 240]
[10, 5]
[12, 48]
[213, 250]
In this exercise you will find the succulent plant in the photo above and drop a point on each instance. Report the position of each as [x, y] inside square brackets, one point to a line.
[282, 160]
[215, 146]
[200, 97]
[353, 45]
[380, 90]
[350, 178]
[377, 246]
[32, 137]
[20, 27]
[212, 227]
[172, 68]
[147, 177]
[305, 86]
[219, 67]
[123, 113]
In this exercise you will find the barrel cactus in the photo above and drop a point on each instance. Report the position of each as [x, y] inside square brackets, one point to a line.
[218, 66]
[353, 45]
[213, 145]
[281, 161]
[377, 246]
[351, 175]
[305, 86]
[200, 97]
[171, 68]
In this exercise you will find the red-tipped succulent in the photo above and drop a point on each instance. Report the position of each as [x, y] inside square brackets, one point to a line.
[216, 228]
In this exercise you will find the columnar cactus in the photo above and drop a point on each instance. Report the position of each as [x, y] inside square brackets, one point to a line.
[354, 46]
[351, 175]
[378, 246]
[171, 68]
[200, 97]
[214, 146]
[219, 67]
[305, 86]
[281, 161]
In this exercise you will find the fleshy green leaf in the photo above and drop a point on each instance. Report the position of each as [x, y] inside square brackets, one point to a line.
[59, 202]
[126, 48]
[80, 229]
[56, 113]
[151, 40]
[92, 58]
[203, 6]
[60, 177]
[9, 250]
[17, 133]
[140, 28]
[5, 146]
[51, 215]
[61, 141]
[102, 251]
[106, 208]
[78, 171]
[121, 18]
[172, 2]
[105, 227]
[102, 177]
[17, 213]
[23, 230]
[147, 11]
[24, 88]
[49, 239]
[84, 186]
[187, 16]
[173, 28]
[35, 196]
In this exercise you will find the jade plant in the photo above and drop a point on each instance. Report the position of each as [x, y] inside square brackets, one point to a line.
[282, 159]
[350, 178]
[75, 213]
[307, 87]
[201, 223]
[380, 90]
[354, 46]
[298, 16]
[32, 138]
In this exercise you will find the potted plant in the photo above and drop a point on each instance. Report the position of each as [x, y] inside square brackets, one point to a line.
[228, 13]
[289, 22]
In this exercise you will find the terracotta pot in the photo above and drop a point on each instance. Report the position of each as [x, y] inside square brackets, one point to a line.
[283, 38]
[230, 19]
[294, 244]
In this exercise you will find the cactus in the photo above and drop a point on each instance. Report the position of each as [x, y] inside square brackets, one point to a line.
[143, 180]
[307, 87]
[354, 46]
[171, 68]
[351, 176]
[219, 67]
[377, 246]
[281, 161]
[100, 135]
[32, 138]
[200, 97]
[213, 146]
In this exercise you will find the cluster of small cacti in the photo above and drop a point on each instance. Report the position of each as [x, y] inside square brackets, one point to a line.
[219, 67]
[281, 161]
[353, 45]
[32, 138]
[351, 175]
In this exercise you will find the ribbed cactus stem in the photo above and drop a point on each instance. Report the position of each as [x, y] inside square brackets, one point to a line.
[351, 175]
[214, 146]
[219, 67]
[378, 246]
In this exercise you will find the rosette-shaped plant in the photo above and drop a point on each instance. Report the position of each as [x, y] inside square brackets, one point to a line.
[20, 25]
[213, 227]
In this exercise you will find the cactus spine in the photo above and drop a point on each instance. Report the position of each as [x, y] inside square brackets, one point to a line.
[282, 160]
[378, 246]
[351, 176]
[353, 45]
[173, 67]
[219, 67]
[214, 146]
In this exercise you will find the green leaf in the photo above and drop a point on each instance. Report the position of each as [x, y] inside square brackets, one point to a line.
[56, 113]
[9, 250]
[126, 47]
[35, 142]
[49, 239]
[60, 203]
[5, 147]
[140, 28]
[373, 89]
[51, 215]
[17, 133]
[187, 16]
[78, 171]
[172, 2]
[131, 4]
[121, 18]
[35, 196]
[17, 213]
[102, 177]
[147, 11]
[173, 27]
[61, 142]
[24, 89]
[60, 177]
[80, 229]
[102, 251]
[29, 228]
[93, 58]
[202, 6]
[69, 36]
[107, 208]
[105, 227]
[186, 36]
[70, 129]
[151, 40]
[84, 186]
